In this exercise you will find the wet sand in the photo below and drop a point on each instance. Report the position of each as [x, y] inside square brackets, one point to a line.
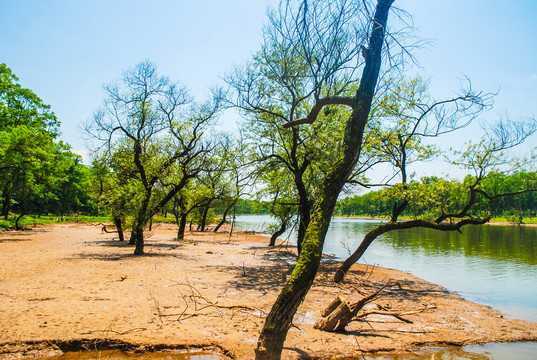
[72, 282]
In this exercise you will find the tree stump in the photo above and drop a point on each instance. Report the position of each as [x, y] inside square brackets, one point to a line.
[338, 318]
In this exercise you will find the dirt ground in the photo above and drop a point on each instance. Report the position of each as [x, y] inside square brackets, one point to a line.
[70, 282]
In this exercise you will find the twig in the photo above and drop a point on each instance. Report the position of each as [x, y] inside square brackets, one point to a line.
[112, 331]
[395, 314]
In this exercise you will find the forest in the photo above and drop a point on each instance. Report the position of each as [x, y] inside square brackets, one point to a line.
[323, 105]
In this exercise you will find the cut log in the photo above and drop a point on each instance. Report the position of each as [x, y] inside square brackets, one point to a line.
[337, 320]
[331, 307]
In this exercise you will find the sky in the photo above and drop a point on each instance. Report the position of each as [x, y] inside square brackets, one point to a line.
[65, 50]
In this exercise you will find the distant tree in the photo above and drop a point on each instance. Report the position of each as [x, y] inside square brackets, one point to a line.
[240, 176]
[161, 130]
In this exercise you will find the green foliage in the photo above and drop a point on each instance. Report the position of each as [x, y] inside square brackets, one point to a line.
[37, 173]
[432, 196]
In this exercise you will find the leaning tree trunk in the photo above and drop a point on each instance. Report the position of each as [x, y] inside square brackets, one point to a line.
[280, 231]
[278, 321]
[17, 226]
[357, 254]
[223, 221]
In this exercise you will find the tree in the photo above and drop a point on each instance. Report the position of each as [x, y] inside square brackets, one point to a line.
[36, 170]
[452, 205]
[161, 130]
[274, 90]
[240, 177]
[323, 35]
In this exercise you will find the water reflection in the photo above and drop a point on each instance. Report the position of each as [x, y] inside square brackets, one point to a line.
[470, 352]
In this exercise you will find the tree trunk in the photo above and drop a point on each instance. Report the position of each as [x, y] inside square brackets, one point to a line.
[139, 242]
[280, 231]
[17, 226]
[278, 321]
[182, 226]
[357, 254]
[119, 227]
[340, 313]
[337, 319]
[139, 222]
[223, 221]
[201, 226]
[304, 218]
[132, 240]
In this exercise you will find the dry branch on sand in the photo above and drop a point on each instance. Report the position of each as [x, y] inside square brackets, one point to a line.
[194, 304]
[339, 313]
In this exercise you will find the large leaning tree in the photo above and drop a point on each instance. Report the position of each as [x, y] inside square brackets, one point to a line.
[161, 135]
[336, 40]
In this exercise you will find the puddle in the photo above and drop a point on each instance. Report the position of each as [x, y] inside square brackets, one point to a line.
[500, 351]
[107, 350]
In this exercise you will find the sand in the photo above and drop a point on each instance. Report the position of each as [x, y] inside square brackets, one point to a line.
[70, 282]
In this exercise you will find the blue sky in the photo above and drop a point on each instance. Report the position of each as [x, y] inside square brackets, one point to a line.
[65, 50]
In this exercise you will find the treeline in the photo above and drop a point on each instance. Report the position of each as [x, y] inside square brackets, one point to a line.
[432, 196]
[38, 173]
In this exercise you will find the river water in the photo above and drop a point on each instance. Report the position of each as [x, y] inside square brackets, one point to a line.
[490, 264]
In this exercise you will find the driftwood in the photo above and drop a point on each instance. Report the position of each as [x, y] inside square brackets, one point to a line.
[339, 313]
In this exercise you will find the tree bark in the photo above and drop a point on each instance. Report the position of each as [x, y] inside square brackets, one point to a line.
[139, 242]
[277, 323]
[139, 222]
[201, 226]
[119, 227]
[132, 239]
[181, 227]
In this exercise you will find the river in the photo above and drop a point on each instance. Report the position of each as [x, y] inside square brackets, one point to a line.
[488, 264]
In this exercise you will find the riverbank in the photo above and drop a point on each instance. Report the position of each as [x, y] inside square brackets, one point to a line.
[501, 221]
[70, 282]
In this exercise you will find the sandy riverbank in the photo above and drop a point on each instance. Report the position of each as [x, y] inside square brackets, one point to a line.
[70, 282]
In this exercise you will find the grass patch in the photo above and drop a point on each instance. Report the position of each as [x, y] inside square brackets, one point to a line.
[512, 220]
[33, 220]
